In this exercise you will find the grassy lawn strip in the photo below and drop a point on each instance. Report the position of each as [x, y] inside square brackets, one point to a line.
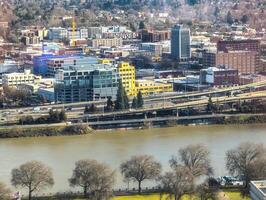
[149, 197]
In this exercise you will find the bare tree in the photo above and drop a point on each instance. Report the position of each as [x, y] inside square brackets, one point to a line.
[247, 160]
[196, 158]
[95, 178]
[140, 168]
[176, 183]
[207, 190]
[33, 175]
[5, 192]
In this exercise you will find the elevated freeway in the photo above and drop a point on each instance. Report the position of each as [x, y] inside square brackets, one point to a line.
[189, 104]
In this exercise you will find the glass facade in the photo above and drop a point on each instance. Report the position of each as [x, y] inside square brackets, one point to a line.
[76, 85]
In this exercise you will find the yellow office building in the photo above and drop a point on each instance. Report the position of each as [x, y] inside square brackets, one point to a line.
[133, 86]
[128, 76]
[148, 87]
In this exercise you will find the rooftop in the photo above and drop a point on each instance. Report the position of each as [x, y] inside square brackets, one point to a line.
[260, 185]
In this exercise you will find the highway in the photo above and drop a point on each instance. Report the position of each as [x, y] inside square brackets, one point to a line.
[152, 103]
[191, 103]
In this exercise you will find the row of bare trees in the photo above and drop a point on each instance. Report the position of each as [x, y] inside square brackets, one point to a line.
[187, 167]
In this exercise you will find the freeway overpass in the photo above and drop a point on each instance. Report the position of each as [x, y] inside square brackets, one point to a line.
[190, 104]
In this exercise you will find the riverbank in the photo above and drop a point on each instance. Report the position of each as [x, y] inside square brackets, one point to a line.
[63, 129]
[44, 130]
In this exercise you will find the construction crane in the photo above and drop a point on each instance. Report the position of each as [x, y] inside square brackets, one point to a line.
[74, 27]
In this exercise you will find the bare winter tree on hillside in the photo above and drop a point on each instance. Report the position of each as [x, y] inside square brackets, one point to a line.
[140, 168]
[32, 175]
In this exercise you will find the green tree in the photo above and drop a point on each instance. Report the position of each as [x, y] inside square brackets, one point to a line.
[62, 115]
[210, 106]
[140, 100]
[134, 103]
[141, 25]
[86, 110]
[229, 18]
[109, 104]
[121, 102]
[244, 19]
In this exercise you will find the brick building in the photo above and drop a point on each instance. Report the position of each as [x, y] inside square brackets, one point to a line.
[243, 61]
[154, 36]
[219, 77]
[238, 45]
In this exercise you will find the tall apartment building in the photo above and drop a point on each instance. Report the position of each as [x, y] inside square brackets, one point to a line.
[127, 75]
[180, 43]
[243, 61]
[90, 83]
[109, 42]
[16, 79]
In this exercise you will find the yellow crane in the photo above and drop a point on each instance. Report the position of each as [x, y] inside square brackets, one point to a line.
[74, 27]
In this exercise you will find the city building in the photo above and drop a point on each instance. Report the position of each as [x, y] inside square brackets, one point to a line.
[127, 76]
[15, 79]
[180, 43]
[86, 83]
[154, 35]
[243, 61]
[57, 33]
[47, 94]
[219, 77]
[155, 48]
[110, 42]
[94, 32]
[149, 87]
[258, 190]
[79, 33]
[209, 58]
[238, 45]
[29, 37]
[55, 64]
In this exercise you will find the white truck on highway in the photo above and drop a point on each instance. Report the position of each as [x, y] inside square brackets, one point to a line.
[36, 109]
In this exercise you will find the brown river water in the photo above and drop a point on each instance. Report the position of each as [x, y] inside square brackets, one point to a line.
[113, 147]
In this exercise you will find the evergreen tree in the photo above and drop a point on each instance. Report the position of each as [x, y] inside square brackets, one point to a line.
[86, 110]
[109, 104]
[229, 18]
[141, 25]
[62, 115]
[92, 108]
[134, 103]
[210, 106]
[140, 100]
[121, 102]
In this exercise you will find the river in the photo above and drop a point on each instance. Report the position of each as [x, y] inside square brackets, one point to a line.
[113, 147]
